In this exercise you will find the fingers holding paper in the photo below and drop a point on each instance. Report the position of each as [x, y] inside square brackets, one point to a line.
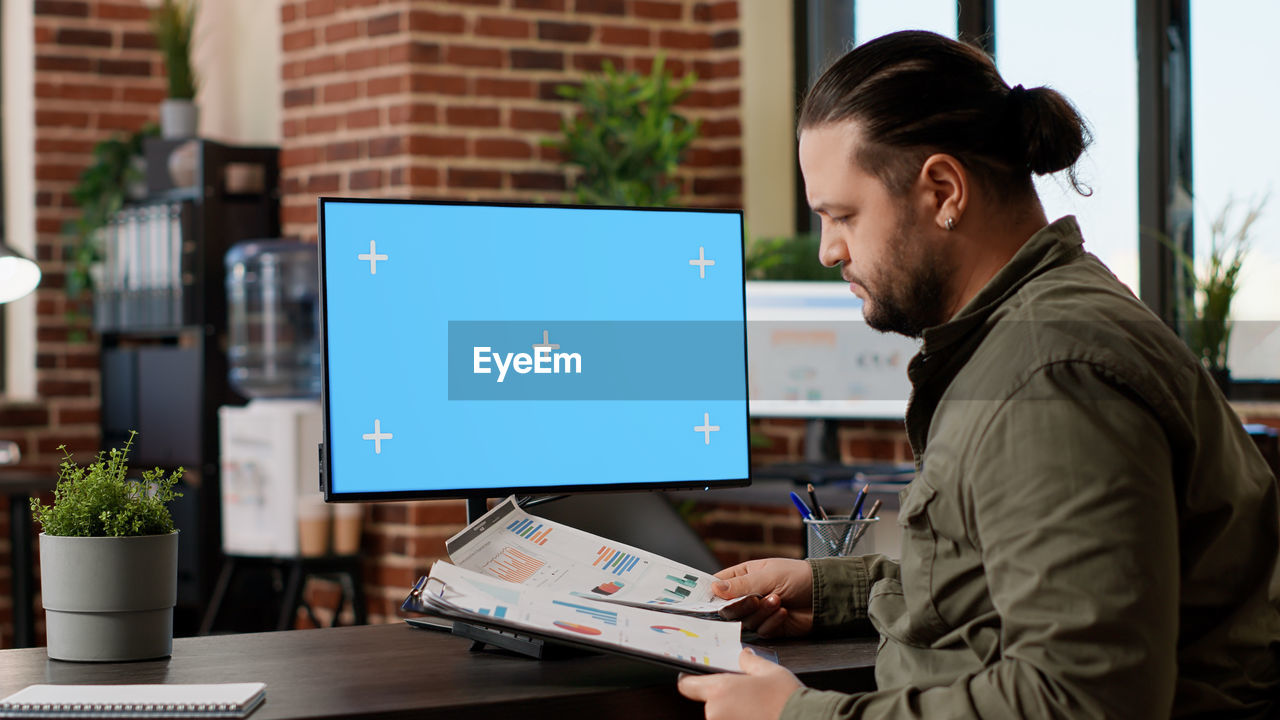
[785, 587]
[758, 694]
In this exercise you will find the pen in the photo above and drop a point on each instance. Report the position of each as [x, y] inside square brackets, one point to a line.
[857, 502]
[804, 509]
[862, 529]
[816, 505]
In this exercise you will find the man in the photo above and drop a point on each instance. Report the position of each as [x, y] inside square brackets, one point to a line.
[1090, 532]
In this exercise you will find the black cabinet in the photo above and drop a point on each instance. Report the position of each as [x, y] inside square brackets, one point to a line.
[160, 310]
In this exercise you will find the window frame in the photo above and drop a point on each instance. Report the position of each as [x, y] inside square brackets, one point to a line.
[1164, 137]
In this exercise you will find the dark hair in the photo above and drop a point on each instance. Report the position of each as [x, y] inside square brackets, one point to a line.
[914, 93]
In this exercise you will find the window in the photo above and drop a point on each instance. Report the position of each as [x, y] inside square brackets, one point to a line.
[1038, 44]
[1234, 147]
[873, 18]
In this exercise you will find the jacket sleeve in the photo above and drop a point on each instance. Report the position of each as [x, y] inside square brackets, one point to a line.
[1072, 503]
[841, 589]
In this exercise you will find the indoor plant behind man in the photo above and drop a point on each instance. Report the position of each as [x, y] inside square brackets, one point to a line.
[108, 561]
[1090, 533]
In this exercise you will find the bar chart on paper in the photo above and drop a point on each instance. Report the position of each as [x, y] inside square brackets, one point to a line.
[680, 586]
[529, 530]
[513, 565]
[615, 561]
[608, 617]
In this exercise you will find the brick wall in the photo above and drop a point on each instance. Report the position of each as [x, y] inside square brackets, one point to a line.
[442, 99]
[453, 99]
[97, 73]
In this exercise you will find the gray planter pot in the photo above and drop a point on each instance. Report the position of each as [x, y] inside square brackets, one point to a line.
[179, 119]
[108, 598]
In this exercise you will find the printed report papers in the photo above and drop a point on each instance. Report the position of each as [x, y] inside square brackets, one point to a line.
[509, 544]
[689, 643]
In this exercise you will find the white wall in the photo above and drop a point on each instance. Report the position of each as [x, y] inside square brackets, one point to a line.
[237, 55]
[19, 191]
[768, 117]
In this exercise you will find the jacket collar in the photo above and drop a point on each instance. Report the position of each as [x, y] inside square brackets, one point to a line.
[1048, 248]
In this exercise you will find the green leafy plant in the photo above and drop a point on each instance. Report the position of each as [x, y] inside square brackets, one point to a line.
[1207, 314]
[787, 258]
[100, 194]
[172, 22]
[627, 140]
[100, 501]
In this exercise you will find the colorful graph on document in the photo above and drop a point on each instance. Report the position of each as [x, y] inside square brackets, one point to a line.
[498, 611]
[679, 588]
[615, 561]
[608, 588]
[698, 660]
[668, 629]
[529, 530]
[575, 627]
[513, 566]
[605, 616]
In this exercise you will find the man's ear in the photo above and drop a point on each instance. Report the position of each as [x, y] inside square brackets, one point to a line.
[945, 185]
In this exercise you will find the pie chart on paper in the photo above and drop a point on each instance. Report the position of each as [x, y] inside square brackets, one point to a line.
[575, 627]
[667, 629]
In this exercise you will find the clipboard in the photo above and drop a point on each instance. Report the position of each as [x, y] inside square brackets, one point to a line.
[427, 597]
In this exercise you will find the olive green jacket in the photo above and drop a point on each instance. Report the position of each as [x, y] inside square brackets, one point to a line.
[1090, 533]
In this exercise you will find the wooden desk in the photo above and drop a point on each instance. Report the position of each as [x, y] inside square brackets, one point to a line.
[395, 671]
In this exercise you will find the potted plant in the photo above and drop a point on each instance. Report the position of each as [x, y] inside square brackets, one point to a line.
[1207, 314]
[787, 258]
[172, 22]
[626, 140]
[116, 175]
[108, 560]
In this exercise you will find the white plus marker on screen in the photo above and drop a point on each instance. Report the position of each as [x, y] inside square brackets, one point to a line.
[377, 436]
[546, 343]
[706, 428]
[702, 262]
[372, 256]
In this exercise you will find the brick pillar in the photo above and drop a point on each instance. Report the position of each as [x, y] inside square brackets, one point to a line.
[453, 100]
[97, 74]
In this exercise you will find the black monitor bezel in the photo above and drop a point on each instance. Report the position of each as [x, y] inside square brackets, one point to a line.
[327, 448]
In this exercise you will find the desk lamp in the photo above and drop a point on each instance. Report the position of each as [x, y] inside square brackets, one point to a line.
[18, 275]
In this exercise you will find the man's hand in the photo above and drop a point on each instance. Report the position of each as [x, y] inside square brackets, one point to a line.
[785, 608]
[760, 693]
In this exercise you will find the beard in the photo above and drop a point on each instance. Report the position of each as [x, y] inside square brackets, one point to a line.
[905, 295]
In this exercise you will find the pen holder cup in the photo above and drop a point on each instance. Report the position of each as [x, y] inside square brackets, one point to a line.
[835, 538]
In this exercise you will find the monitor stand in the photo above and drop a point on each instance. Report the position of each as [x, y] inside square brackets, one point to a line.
[477, 506]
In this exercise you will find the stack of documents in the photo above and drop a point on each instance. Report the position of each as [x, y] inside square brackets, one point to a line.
[514, 571]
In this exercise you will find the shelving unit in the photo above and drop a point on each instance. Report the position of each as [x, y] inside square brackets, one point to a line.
[160, 310]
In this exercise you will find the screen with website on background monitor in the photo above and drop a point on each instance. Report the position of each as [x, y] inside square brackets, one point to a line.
[481, 349]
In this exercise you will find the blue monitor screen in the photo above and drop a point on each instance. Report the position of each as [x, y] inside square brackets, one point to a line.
[475, 349]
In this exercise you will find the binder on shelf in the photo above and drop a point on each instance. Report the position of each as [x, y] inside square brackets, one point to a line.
[146, 274]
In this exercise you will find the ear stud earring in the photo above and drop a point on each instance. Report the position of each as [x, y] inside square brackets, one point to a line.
[951, 223]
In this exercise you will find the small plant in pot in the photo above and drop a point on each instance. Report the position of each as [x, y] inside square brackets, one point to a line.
[108, 560]
[1207, 317]
[172, 22]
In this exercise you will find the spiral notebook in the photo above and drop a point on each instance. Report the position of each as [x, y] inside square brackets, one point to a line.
[222, 700]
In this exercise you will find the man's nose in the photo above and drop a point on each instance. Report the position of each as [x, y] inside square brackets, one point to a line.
[831, 251]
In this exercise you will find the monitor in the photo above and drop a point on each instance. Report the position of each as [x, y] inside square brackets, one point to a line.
[814, 356]
[476, 349]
